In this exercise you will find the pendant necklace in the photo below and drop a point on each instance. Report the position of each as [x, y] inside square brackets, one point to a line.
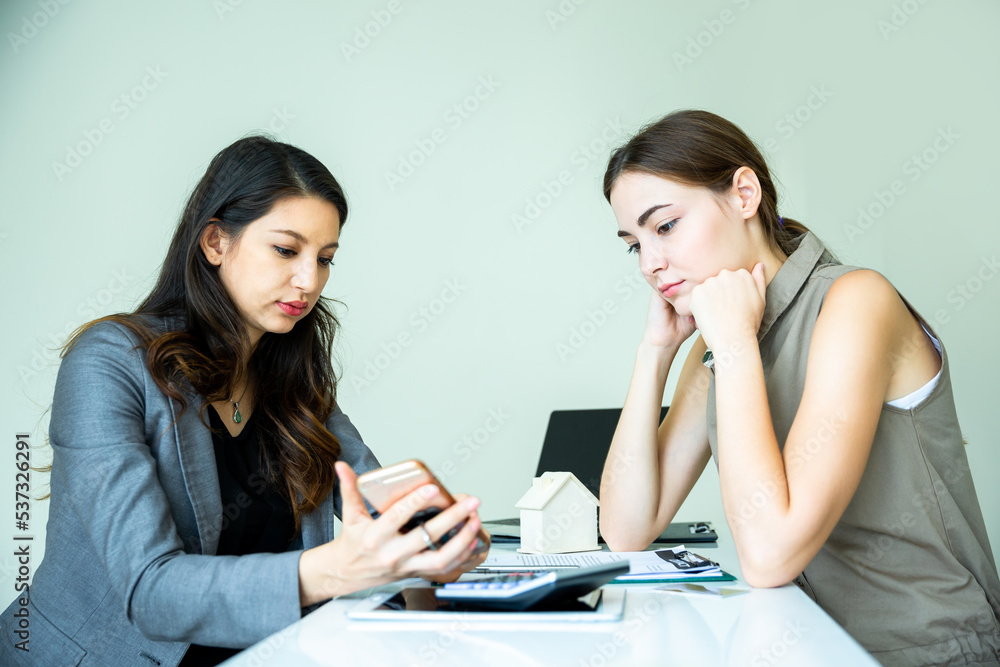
[237, 417]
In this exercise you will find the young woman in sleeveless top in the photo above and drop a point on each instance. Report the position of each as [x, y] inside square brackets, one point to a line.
[823, 396]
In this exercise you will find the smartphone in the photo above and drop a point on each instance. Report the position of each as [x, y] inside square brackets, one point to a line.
[385, 486]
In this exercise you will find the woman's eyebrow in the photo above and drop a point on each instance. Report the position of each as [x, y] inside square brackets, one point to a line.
[295, 235]
[643, 218]
[648, 212]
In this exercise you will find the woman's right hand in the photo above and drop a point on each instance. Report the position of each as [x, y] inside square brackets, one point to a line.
[664, 327]
[372, 552]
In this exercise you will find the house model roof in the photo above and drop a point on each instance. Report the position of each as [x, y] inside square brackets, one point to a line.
[544, 488]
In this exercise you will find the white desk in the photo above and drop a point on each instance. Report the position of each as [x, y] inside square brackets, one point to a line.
[761, 628]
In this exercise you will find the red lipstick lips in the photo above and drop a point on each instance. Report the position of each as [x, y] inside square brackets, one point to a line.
[293, 308]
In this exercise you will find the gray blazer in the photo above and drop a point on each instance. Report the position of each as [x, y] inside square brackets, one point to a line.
[129, 575]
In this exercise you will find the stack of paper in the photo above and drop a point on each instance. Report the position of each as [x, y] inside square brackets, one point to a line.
[674, 564]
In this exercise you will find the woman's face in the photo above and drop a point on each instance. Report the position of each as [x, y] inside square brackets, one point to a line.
[682, 234]
[276, 269]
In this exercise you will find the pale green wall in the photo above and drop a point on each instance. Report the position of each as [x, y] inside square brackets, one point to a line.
[90, 243]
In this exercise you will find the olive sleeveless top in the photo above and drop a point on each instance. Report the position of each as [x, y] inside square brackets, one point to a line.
[908, 570]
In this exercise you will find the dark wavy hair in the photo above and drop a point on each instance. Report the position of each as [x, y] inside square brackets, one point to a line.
[701, 149]
[207, 344]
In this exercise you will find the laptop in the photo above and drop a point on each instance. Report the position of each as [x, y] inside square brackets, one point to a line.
[577, 441]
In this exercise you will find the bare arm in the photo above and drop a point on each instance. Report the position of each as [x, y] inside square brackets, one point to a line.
[650, 471]
[848, 372]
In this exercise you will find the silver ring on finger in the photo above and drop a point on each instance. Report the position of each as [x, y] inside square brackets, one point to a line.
[427, 538]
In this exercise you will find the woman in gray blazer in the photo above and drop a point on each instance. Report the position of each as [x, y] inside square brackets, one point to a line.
[199, 454]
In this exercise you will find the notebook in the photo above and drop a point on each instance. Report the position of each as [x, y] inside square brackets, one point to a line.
[577, 441]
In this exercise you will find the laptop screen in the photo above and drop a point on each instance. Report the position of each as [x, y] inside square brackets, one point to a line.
[577, 441]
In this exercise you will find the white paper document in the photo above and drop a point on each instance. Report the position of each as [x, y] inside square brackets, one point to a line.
[642, 564]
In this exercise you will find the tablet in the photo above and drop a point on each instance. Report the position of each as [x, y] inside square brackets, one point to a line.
[422, 604]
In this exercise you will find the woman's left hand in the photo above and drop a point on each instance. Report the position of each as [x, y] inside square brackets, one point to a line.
[728, 307]
[468, 564]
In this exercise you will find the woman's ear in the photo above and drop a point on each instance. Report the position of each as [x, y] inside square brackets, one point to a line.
[746, 192]
[213, 243]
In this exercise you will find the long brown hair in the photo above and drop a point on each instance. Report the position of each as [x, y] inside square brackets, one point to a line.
[700, 149]
[194, 334]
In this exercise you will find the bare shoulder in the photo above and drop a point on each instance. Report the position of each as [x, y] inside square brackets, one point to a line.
[865, 288]
[864, 317]
[858, 325]
[864, 300]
